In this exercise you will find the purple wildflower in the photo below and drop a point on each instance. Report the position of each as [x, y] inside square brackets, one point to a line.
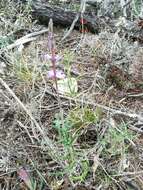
[59, 74]
[23, 174]
[47, 57]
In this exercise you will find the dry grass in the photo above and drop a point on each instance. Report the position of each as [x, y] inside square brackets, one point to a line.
[99, 145]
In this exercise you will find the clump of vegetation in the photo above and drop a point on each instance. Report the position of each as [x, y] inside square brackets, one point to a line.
[25, 72]
[81, 117]
[55, 123]
[76, 164]
[15, 17]
[117, 140]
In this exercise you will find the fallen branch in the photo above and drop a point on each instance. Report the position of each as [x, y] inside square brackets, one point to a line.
[60, 16]
[25, 39]
[19, 42]
[106, 108]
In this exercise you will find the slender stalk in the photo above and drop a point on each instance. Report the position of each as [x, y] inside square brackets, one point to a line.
[51, 46]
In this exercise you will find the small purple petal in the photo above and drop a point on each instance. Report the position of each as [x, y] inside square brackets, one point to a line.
[59, 74]
[58, 58]
[47, 57]
[23, 174]
[50, 74]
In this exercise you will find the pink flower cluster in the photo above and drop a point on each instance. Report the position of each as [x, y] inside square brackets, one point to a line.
[53, 57]
[59, 74]
[51, 74]
[24, 176]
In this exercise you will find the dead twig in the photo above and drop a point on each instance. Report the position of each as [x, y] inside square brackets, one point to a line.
[135, 95]
[25, 39]
[71, 27]
[53, 150]
[129, 173]
[106, 108]
[81, 11]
